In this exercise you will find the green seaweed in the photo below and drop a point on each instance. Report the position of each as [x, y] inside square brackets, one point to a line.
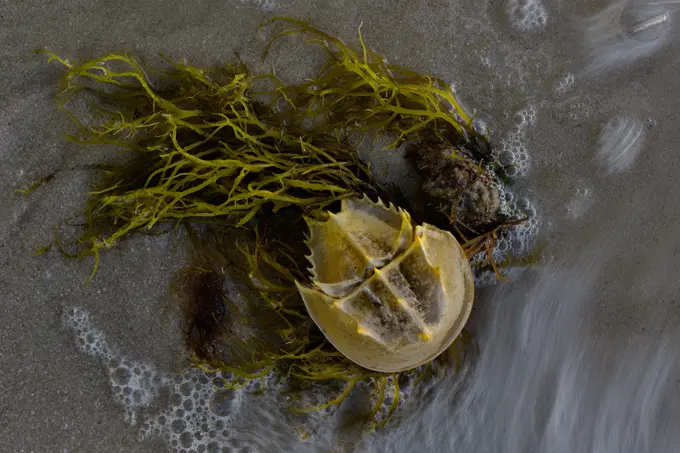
[37, 184]
[238, 168]
[41, 250]
[202, 151]
[359, 92]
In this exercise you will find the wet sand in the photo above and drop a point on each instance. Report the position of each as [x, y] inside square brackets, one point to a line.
[618, 211]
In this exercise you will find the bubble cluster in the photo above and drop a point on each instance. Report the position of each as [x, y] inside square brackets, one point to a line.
[514, 243]
[89, 340]
[135, 384]
[577, 108]
[200, 412]
[581, 201]
[527, 14]
[565, 84]
[198, 415]
[199, 408]
[518, 240]
[195, 411]
[512, 151]
[522, 70]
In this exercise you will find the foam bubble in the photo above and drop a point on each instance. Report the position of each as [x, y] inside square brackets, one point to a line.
[199, 412]
[565, 84]
[514, 243]
[527, 14]
[135, 384]
[619, 144]
[581, 201]
[512, 151]
[575, 108]
[89, 340]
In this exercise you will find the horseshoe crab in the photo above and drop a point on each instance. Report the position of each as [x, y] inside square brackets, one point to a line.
[389, 295]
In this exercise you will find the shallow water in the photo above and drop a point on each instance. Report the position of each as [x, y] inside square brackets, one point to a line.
[577, 355]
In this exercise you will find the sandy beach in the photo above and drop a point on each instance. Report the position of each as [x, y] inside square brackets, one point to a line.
[570, 352]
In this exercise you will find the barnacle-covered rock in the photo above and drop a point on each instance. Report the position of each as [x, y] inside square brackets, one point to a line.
[386, 294]
[451, 179]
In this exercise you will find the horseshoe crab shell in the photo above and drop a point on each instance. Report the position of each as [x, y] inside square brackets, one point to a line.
[388, 295]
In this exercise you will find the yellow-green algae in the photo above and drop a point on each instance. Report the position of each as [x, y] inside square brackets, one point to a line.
[361, 92]
[211, 152]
